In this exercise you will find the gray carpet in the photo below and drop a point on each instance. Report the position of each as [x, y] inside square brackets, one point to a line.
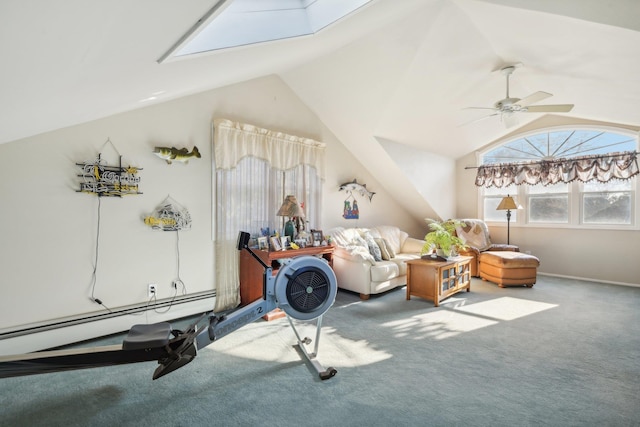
[564, 353]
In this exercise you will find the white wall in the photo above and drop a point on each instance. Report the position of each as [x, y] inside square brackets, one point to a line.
[48, 229]
[432, 175]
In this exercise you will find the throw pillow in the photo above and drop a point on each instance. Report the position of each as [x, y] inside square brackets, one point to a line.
[383, 249]
[374, 249]
[392, 253]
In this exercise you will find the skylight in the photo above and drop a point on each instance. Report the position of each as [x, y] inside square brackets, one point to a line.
[232, 23]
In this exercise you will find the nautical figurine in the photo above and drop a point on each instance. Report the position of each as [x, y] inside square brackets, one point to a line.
[179, 155]
[355, 186]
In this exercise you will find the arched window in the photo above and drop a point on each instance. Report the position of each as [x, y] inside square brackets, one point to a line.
[575, 177]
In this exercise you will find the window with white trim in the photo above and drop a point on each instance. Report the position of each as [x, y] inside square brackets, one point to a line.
[567, 201]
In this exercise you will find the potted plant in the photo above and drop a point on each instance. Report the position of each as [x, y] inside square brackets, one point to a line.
[442, 238]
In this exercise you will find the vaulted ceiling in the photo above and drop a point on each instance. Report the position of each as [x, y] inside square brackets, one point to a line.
[399, 71]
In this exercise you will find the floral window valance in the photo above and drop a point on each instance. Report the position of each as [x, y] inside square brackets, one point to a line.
[602, 168]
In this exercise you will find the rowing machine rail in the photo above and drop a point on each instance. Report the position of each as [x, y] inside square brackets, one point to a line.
[304, 288]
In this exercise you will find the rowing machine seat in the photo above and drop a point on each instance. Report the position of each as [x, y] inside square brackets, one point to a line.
[147, 336]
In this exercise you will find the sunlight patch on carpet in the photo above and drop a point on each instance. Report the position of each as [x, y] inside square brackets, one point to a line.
[438, 325]
[506, 308]
[274, 342]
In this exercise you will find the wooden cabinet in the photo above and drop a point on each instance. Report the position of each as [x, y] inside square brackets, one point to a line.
[252, 273]
[436, 280]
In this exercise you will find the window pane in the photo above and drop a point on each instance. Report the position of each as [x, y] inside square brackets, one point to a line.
[493, 196]
[606, 208]
[491, 214]
[549, 208]
[614, 185]
[542, 189]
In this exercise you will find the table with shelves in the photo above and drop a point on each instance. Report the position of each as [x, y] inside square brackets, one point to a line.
[252, 273]
[436, 279]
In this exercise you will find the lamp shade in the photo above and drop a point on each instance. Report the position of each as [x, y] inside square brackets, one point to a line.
[291, 208]
[507, 203]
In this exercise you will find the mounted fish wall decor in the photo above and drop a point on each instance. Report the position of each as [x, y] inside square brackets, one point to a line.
[174, 154]
[111, 181]
[352, 186]
[350, 208]
[169, 216]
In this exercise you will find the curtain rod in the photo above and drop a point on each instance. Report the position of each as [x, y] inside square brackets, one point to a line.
[593, 156]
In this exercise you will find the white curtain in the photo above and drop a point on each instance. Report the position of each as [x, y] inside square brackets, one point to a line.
[255, 169]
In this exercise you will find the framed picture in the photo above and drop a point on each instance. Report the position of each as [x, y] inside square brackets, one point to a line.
[263, 243]
[285, 242]
[317, 237]
[275, 244]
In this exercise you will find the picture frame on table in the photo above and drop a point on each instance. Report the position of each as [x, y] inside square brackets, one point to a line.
[317, 237]
[285, 242]
[275, 244]
[263, 243]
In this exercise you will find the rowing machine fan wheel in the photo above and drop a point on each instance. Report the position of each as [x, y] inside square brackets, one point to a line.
[305, 287]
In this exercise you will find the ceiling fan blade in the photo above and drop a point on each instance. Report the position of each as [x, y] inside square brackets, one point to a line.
[533, 98]
[477, 120]
[558, 108]
[481, 108]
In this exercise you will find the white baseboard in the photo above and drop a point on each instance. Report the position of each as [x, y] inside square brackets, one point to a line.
[586, 279]
[69, 331]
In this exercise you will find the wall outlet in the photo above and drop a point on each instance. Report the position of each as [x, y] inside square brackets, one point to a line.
[152, 289]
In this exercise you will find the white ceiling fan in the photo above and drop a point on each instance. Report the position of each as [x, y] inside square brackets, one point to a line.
[508, 107]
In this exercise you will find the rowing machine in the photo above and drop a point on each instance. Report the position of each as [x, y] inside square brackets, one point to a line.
[304, 288]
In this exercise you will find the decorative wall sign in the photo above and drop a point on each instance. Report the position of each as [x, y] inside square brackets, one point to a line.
[111, 181]
[169, 216]
[351, 210]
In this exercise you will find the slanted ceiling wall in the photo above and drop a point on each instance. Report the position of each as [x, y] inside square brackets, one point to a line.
[49, 230]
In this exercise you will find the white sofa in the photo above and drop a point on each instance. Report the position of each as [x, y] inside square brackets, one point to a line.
[354, 259]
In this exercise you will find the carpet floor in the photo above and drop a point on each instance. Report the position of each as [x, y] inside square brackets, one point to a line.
[563, 353]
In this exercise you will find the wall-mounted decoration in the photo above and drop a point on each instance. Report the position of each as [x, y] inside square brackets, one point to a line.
[112, 181]
[350, 208]
[169, 216]
[174, 154]
[352, 186]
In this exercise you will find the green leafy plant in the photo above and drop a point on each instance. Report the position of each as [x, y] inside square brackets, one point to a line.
[442, 237]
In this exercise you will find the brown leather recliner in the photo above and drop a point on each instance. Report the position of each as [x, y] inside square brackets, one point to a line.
[475, 234]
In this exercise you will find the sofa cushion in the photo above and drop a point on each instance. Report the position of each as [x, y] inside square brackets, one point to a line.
[384, 250]
[392, 252]
[374, 249]
[341, 236]
[393, 235]
[400, 261]
[349, 239]
[384, 270]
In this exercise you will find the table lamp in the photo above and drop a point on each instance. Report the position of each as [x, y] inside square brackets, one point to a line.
[506, 204]
[290, 208]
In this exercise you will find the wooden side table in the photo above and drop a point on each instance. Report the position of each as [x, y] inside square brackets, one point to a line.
[436, 280]
[252, 273]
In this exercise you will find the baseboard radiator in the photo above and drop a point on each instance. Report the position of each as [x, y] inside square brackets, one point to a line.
[71, 330]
